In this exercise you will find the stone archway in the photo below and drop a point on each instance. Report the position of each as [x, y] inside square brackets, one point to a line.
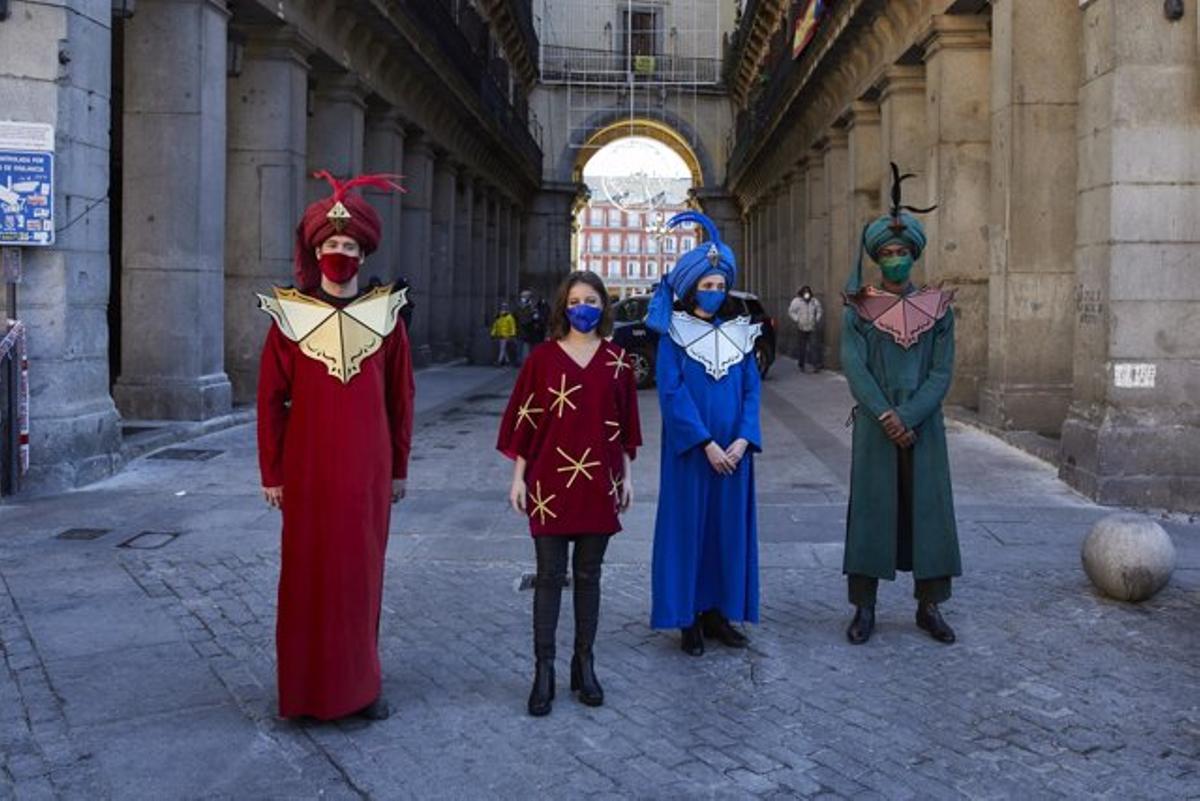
[651, 129]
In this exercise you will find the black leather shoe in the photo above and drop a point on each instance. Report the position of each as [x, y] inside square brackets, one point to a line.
[692, 641]
[930, 619]
[541, 697]
[862, 626]
[584, 681]
[376, 710]
[717, 627]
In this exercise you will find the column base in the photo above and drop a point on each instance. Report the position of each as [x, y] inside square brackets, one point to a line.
[1126, 459]
[422, 356]
[73, 450]
[171, 398]
[482, 350]
[1025, 407]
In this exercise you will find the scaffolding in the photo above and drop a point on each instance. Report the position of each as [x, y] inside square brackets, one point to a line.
[631, 61]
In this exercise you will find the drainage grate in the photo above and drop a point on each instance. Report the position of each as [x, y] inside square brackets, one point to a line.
[150, 540]
[82, 533]
[186, 454]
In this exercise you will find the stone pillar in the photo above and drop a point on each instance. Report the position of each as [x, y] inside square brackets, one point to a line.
[548, 256]
[445, 187]
[1031, 229]
[75, 434]
[383, 152]
[902, 135]
[503, 250]
[768, 276]
[723, 210]
[417, 223]
[514, 252]
[1132, 435]
[465, 289]
[336, 130]
[816, 250]
[957, 69]
[491, 281]
[835, 152]
[173, 215]
[864, 166]
[481, 350]
[264, 193]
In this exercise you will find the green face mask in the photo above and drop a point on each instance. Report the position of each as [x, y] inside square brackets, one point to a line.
[896, 269]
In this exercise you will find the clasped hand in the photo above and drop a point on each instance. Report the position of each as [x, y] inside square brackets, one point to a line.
[726, 460]
[896, 431]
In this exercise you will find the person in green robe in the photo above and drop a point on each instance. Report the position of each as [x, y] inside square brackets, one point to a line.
[898, 356]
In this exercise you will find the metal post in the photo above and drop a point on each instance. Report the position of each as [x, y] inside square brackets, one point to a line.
[10, 269]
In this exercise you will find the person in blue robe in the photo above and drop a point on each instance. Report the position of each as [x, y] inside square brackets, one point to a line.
[705, 571]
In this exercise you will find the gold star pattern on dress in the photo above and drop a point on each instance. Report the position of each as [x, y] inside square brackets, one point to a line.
[562, 395]
[577, 467]
[617, 482]
[541, 505]
[616, 429]
[618, 362]
[526, 412]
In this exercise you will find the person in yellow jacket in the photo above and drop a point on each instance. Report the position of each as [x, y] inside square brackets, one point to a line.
[504, 330]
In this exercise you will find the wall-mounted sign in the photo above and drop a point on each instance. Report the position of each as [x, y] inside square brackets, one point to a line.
[1135, 376]
[806, 24]
[26, 183]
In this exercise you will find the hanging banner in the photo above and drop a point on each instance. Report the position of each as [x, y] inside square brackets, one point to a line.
[806, 25]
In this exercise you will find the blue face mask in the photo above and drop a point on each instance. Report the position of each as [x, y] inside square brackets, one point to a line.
[710, 300]
[584, 318]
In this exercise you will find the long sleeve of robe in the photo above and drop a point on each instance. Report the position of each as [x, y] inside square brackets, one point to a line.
[706, 531]
[334, 448]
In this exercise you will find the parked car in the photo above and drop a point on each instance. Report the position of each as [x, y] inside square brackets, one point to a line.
[631, 333]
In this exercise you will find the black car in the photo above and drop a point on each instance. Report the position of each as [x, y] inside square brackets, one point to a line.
[631, 333]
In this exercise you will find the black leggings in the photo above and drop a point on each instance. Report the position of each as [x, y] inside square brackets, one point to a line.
[552, 577]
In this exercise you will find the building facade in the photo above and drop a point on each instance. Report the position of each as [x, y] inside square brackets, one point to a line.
[1061, 143]
[186, 135]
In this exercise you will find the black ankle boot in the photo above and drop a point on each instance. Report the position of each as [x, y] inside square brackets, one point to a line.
[542, 694]
[717, 627]
[583, 679]
[862, 626]
[930, 619]
[692, 640]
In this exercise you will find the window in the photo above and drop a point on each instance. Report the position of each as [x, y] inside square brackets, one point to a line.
[633, 270]
[651, 269]
[597, 266]
[596, 216]
[687, 243]
[652, 244]
[614, 243]
[614, 268]
[669, 244]
[635, 219]
[596, 243]
[633, 243]
[614, 218]
[667, 266]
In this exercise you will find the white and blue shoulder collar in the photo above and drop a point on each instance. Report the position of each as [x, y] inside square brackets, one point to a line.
[717, 347]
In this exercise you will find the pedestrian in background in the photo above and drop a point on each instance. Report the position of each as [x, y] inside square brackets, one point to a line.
[504, 329]
[531, 324]
[572, 431]
[806, 312]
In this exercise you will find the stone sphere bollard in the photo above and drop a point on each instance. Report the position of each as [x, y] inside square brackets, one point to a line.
[1128, 557]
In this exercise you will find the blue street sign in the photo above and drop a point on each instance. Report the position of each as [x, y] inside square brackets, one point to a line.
[26, 197]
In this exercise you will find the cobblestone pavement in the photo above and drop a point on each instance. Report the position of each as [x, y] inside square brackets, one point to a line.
[148, 672]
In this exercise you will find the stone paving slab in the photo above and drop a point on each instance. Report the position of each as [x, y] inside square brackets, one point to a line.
[150, 673]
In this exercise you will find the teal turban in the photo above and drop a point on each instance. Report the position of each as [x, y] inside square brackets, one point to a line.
[903, 229]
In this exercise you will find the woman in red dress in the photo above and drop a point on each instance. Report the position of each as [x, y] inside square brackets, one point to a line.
[572, 430]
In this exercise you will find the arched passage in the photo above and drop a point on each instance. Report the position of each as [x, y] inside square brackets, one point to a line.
[651, 129]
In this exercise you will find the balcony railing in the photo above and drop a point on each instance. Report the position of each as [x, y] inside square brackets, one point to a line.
[583, 65]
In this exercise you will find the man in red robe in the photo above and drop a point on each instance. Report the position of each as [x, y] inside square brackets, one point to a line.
[335, 406]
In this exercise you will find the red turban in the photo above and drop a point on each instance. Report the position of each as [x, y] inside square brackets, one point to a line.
[342, 213]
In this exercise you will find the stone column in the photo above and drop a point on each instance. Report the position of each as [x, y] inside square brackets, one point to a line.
[767, 277]
[864, 166]
[1132, 435]
[264, 193]
[504, 250]
[514, 252]
[481, 351]
[549, 241]
[816, 251]
[491, 282]
[336, 130]
[465, 318]
[383, 152]
[723, 210]
[1031, 229]
[173, 215]
[902, 135]
[835, 153]
[957, 69]
[445, 187]
[417, 223]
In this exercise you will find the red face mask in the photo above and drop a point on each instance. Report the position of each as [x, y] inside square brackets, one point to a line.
[338, 267]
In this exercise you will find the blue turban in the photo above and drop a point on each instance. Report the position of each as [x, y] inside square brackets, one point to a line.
[884, 231]
[708, 258]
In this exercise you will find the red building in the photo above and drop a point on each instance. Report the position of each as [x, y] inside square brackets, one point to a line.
[629, 249]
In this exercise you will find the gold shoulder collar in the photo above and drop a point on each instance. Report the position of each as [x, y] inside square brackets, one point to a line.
[338, 338]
